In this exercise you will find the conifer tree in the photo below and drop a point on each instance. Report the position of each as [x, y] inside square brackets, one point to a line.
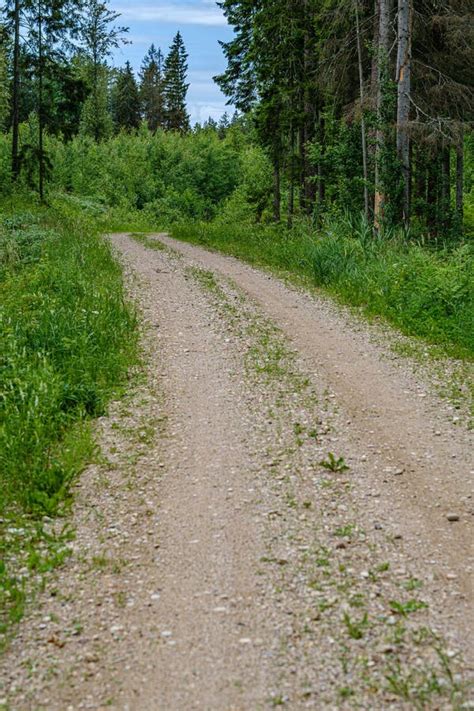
[49, 24]
[4, 82]
[152, 89]
[126, 100]
[96, 119]
[175, 86]
[98, 36]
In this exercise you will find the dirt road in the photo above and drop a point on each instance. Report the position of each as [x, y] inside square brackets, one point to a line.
[218, 564]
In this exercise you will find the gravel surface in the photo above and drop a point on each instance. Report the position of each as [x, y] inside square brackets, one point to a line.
[223, 559]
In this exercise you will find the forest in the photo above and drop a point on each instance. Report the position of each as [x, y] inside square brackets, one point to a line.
[345, 164]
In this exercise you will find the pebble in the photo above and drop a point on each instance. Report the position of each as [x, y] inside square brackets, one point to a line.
[452, 517]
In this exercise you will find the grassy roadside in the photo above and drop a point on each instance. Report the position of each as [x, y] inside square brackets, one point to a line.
[424, 293]
[67, 339]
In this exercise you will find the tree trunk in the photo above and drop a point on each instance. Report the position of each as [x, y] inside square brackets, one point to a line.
[362, 104]
[291, 195]
[320, 171]
[16, 92]
[405, 21]
[383, 50]
[446, 187]
[40, 105]
[432, 198]
[460, 178]
[376, 43]
[309, 117]
[276, 192]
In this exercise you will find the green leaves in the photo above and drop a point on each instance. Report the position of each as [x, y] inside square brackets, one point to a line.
[333, 464]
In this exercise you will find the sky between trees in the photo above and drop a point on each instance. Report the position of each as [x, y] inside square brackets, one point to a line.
[202, 25]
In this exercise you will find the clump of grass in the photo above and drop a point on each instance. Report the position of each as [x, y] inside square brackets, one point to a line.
[334, 464]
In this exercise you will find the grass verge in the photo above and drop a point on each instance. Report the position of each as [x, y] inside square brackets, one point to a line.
[423, 292]
[68, 339]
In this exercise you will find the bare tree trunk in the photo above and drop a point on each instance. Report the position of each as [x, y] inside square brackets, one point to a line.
[376, 43]
[460, 177]
[383, 50]
[432, 198]
[405, 22]
[291, 195]
[276, 192]
[40, 104]
[309, 121]
[16, 92]
[362, 103]
[320, 170]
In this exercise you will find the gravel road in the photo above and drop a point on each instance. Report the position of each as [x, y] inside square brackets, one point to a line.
[223, 560]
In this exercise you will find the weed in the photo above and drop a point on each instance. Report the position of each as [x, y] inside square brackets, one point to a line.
[334, 465]
[413, 584]
[356, 628]
[407, 608]
[423, 292]
[345, 531]
[67, 339]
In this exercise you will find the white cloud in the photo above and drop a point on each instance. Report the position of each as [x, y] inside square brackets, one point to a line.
[187, 13]
[201, 111]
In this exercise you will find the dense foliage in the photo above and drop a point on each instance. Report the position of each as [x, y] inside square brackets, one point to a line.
[372, 96]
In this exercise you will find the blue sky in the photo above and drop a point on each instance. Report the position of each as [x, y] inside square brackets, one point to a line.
[202, 25]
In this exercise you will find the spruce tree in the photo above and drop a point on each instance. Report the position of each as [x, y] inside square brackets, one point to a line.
[175, 86]
[98, 36]
[126, 100]
[49, 24]
[96, 119]
[152, 90]
[4, 82]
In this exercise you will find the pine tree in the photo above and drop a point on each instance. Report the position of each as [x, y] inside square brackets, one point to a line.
[126, 100]
[152, 90]
[13, 13]
[175, 86]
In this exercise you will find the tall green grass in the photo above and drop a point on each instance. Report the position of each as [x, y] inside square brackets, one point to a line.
[67, 339]
[424, 292]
